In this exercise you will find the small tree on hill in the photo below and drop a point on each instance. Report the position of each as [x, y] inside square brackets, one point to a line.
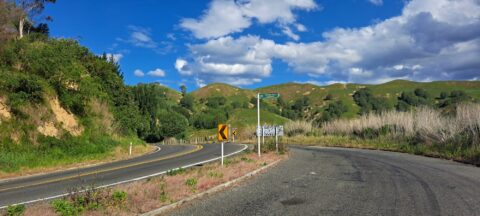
[31, 9]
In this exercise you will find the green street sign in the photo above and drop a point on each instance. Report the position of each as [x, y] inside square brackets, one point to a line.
[269, 95]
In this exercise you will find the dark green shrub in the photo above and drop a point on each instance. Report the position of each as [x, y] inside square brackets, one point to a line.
[119, 197]
[65, 208]
[16, 210]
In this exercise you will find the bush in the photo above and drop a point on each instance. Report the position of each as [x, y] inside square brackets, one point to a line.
[119, 197]
[65, 208]
[192, 183]
[367, 102]
[333, 111]
[15, 210]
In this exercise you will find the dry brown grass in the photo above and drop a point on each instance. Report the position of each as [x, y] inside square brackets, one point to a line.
[426, 124]
[155, 192]
[298, 127]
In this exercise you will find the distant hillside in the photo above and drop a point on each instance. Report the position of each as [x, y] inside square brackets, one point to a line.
[320, 97]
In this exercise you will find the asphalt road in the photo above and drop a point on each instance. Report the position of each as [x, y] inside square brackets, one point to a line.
[52, 185]
[335, 181]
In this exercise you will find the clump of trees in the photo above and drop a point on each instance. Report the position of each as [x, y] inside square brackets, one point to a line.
[367, 102]
[333, 111]
[419, 97]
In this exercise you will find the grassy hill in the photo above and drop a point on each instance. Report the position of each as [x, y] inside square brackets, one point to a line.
[290, 92]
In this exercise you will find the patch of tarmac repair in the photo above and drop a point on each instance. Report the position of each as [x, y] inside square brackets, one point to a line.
[292, 201]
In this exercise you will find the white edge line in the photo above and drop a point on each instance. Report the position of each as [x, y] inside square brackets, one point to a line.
[130, 180]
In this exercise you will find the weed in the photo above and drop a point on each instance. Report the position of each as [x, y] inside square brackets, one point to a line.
[248, 160]
[163, 193]
[192, 183]
[16, 210]
[119, 197]
[214, 174]
[66, 208]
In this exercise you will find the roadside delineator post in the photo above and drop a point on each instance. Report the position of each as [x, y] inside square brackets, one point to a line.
[276, 140]
[222, 153]
[130, 150]
[258, 125]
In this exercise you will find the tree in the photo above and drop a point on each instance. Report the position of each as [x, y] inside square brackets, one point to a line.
[183, 89]
[31, 9]
[367, 102]
[9, 14]
[333, 111]
[187, 102]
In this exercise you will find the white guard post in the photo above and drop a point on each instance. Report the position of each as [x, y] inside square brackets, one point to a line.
[258, 125]
[222, 153]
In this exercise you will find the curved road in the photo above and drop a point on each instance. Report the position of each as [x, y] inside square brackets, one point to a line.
[336, 181]
[39, 187]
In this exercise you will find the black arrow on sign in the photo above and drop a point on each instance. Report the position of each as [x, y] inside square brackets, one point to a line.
[222, 132]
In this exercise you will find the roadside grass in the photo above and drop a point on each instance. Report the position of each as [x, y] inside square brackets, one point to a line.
[146, 195]
[385, 143]
[52, 154]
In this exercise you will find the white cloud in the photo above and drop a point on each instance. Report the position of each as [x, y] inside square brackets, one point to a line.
[287, 31]
[300, 27]
[224, 17]
[156, 73]
[376, 2]
[182, 67]
[138, 73]
[430, 40]
[140, 37]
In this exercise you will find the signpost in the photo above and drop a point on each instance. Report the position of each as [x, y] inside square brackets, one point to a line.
[259, 129]
[222, 135]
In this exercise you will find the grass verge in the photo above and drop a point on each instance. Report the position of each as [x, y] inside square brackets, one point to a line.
[31, 162]
[450, 152]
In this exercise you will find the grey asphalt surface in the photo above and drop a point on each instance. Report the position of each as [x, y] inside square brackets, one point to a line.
[336, 181]
[169, 157]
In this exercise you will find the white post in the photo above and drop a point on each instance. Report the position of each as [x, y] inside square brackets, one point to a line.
[276, 140]
[258, 125]
[263, 135]
[222, 153]
[130, 150]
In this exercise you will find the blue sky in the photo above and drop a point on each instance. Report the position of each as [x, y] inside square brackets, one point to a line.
[252, 43]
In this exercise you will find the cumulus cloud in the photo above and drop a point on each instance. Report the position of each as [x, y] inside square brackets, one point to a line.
[430, 40]
[156, 73]
[182, 67]
[138, 73]
[224, 17]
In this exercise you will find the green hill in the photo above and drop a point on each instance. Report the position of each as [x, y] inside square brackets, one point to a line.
[320, 97]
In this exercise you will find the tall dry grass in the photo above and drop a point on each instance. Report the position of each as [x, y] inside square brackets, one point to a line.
[424, 124]
[298, 127]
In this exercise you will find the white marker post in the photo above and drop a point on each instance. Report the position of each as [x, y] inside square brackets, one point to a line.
[130, 150]
[222, 153]
[263, 135]
[276, 139]
[258, 125]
